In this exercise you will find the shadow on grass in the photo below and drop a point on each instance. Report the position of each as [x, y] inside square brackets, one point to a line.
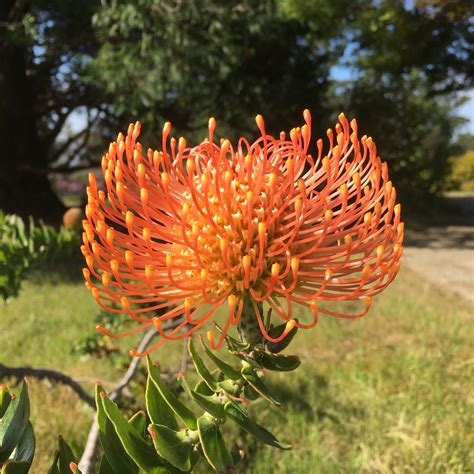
[312, 396]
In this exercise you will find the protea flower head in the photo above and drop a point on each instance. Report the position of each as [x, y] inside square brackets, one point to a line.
[183, 231]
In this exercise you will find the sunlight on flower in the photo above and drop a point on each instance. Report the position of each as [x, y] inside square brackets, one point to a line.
[183, 230]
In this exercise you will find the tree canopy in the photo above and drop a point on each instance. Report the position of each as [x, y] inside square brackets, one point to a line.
[404, 66]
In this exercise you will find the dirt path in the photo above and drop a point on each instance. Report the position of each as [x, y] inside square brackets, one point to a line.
[445, 255]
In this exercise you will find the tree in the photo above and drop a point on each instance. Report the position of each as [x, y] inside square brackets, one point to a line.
[44, 46]
[409, 64]
[185, 61]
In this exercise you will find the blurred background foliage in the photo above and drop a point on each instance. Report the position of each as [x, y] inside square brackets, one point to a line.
[74, 72]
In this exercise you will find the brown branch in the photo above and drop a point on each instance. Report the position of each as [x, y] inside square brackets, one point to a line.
[86, 464]
[53, 375]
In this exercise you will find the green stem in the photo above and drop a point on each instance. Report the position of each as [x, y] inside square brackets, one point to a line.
[248, 327]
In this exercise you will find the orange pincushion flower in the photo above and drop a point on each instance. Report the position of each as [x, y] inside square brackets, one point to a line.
[189, 229]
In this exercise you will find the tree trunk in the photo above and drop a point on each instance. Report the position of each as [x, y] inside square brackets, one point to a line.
[24, 184]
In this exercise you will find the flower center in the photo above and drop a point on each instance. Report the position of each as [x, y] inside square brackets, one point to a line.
[228, 219]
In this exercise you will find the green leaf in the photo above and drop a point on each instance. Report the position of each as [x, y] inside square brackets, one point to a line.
[16, 467]
[277, 331]
[137, 448]
[229, 386]
[235, 345]
[23, 455]
[215, 451]
[66, 456]
[257, 384]
[237, 412]
[227, 369]
[180, 410]
[210, 403]
[157, 408]
[115, 453]
[201, 387]
[14, 423]
[105, 467]
[138, 421]
[277, 362]
[54, 466]
[201, 369]
[209, 400]
[174, 446]
[5, 398]
[250, 393]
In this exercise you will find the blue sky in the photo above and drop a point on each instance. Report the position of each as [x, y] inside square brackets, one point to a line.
[467, 110]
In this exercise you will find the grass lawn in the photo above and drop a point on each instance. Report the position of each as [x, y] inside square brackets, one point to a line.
[392, 392]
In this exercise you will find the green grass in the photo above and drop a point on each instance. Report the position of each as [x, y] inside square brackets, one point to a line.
[391, 392]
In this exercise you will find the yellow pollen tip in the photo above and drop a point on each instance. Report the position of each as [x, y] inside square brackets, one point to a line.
[298, 205]
[273, 179]
[259, 121]
[328, 215]
[313, 306]
[232, 301]
[380, 251]
[148, 271]
[146, 232]
[109, 236]
[87, 273]
[167, 127]
[129, 217]
[246, 262]
[290, 325]
[204, 273]
[114, 265]
[368, 302]
[225, 145]
[187, 304]
[262, 229]
[144, 195]
[348, 239]
[295, 264]
[190, 167]
[156, 322]
[133, 353]
[275, 270]
[223, 245]
[105, 279]
[96, 249]
[210, 337]
[165, 179]
[181, 144]
[124, 302]
[89, 261]
[185, 210]
[129, 257]
[169, 260]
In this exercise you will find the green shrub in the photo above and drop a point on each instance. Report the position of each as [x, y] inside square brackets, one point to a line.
[462, 174]
[26, 245]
